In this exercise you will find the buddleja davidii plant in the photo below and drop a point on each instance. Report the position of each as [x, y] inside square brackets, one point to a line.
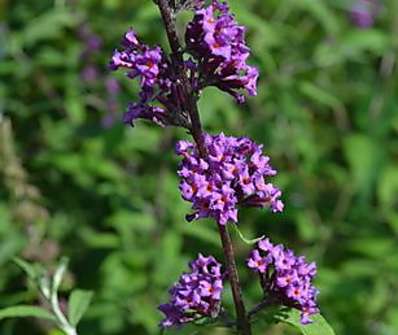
[218, 173]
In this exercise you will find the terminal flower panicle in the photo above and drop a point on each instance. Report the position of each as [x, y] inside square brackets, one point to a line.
[218, 54]
[285, 278]
[235, 172]
[197, 294]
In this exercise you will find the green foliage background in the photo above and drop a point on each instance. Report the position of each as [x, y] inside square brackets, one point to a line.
[107, 197]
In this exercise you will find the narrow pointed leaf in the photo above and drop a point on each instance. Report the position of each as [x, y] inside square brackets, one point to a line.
[246, 240]
[59, 273]
[78, 303]
[24, 311]
[25, 266]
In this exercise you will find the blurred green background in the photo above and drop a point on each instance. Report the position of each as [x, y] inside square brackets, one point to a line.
[74, 181]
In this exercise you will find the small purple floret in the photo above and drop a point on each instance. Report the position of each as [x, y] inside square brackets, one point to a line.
[197, 294]
[285, 278]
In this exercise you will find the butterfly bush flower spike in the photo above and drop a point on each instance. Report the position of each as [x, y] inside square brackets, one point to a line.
[218, 174]
[235, 173]
[197, 294]
[285, 278]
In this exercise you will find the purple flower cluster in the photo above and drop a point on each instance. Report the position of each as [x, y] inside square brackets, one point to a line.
[112, 89]
[218, 52]
[92, 74]
[234, 173]
[197, 294]
[92, 44]
[285, 278]
[218, 44]
[364, 12]
[151, 67]
[140, 60]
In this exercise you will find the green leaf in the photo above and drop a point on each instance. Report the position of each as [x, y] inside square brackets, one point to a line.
[59, 273]
[37, 29]
[352, 46]
[364, 158]
[244, 239]
[25, 266]
[24, 311]
[320, 12]
[10, 247]
[320, 95]
[319, 326]
[78, 303]
[376, 246]
[99, 240]
[388, 186]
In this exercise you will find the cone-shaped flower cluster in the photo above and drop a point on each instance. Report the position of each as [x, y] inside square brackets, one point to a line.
[234, 173]
[285, 278]
[218, 44]
[197, 294]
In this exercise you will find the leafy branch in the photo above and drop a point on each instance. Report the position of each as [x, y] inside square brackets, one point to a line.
[48, 286]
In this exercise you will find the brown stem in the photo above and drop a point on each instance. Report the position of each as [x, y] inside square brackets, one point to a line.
[181, 73]
[243, 323]
[190, 105]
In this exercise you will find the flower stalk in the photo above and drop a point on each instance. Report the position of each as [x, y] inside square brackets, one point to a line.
[190, 105]
[243, 322]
